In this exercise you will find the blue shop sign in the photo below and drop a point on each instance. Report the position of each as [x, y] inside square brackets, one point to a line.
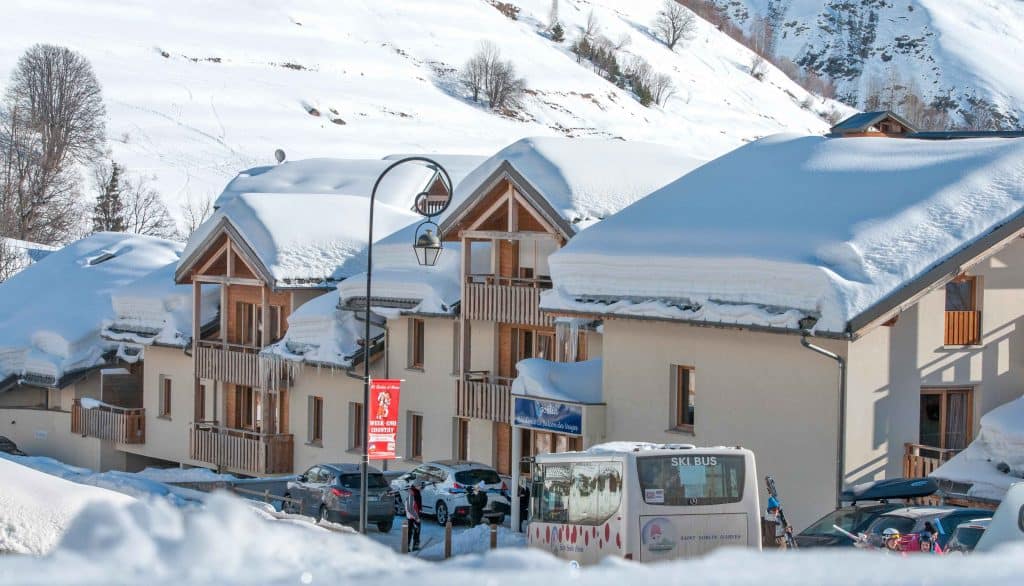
[548, 416]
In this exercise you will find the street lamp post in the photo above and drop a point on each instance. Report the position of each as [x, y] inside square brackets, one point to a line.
[427, 246]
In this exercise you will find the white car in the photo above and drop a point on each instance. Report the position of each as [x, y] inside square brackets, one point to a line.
[445, 484]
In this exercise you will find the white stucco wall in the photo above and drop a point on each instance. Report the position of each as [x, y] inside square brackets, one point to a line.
[757, 390]
[167, 437]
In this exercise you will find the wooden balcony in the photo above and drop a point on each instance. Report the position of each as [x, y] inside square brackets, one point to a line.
[231, 363]
[963, 328]
[482, 396]
[920, 460]
[107, 422]
[241, 451]
[504, 299]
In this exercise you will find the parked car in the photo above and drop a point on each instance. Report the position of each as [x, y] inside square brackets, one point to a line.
[446, 483]
[912, 520]
[966, 535]
[331, 492]
[867, 502]
[9, 447]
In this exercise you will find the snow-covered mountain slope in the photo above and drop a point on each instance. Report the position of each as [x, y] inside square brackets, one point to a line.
[197, 91]
[966, 50]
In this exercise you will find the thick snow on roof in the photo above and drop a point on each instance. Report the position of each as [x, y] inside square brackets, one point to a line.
[792, 225]
[347, 177]
[1001, 441]
[586, 180]
[153, 309]
[321, 333]
[305, 239]
[54, 309]
[577, 382]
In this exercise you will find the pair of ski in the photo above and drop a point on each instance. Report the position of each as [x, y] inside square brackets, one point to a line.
[790, 540]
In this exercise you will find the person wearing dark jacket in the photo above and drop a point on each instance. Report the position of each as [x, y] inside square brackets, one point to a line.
[413, 507]
[524, 505]
[477, 501]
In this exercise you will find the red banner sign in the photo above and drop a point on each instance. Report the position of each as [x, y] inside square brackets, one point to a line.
[383, 425]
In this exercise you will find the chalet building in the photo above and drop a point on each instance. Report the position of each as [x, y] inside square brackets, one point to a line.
[902, 260]
[53, 359]
[457, 334]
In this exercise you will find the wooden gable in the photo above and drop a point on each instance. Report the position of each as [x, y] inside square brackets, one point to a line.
[502, 209]
[224, 257]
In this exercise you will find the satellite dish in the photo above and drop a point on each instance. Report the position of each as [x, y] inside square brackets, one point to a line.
[279, 155]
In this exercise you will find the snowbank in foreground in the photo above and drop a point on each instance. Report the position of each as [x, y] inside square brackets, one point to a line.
[36, 507]
[229, 542]
[1000, 442]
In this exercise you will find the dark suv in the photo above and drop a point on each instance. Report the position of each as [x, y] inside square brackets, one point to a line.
[330, 492]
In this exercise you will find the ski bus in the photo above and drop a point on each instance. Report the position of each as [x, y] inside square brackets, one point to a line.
[643, 502]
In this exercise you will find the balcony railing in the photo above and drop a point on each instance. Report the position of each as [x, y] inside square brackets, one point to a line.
[482, 396]
[963, 328]
[231, 363]
[505, 299]
[920, 460]
[241, 451]
[117, 424]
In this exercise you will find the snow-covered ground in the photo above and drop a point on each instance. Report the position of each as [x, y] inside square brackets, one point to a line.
[96, 536]
[197, 91]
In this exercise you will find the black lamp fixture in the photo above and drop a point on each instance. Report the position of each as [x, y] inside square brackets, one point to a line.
[427, 245]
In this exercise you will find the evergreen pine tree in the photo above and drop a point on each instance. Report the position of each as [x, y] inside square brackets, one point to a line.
[557, 33]
[108, 214]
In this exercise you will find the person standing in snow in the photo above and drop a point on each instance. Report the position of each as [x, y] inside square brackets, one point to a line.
[477, 501]
[413, 506]
[773, 517]
[524, 504]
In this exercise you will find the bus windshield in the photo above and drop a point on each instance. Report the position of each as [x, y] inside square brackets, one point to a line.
[691, 480]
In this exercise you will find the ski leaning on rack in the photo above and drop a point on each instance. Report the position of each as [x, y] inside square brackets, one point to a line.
[790, 541]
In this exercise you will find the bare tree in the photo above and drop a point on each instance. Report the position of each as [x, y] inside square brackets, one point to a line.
[553, 15]
[591, 28]
[52, 117]
[662, 88]
[758, 67]
[10, 260]
[144, 211]
[488, 74]
[194, 212]
[674, 23]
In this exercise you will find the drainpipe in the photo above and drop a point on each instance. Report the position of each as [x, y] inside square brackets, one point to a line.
[841, 441]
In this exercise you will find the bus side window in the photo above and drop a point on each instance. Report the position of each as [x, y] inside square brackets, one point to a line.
[555, 498]
[611, 493]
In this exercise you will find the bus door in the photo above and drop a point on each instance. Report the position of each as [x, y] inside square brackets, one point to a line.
[691, 504]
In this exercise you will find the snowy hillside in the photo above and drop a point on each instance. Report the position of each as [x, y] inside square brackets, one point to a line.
[966, 50]
[197, 91]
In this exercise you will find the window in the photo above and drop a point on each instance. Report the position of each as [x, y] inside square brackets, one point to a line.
[248, 322]
[456, 351]
[201, 402]
[691, 480]
[946, 416]
[315, 428]
[247, 407]
[415, 436]
[355, 425]
[416, 335]
[461, 451]
[165, 396]
[962, 316]
[683, 407]
[583, 493]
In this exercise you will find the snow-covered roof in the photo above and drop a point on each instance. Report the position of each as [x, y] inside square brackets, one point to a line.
[1000, 442]
[54, 309]
[583, 180]
[346, 177]
[302, 239]
[576, 382]
[321, 333]
[791, 226]
[155, 310]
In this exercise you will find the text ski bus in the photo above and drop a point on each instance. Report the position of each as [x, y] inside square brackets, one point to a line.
[644, 502]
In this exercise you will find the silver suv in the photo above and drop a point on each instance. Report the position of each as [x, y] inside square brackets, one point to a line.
[330, 492]
[445, 484]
